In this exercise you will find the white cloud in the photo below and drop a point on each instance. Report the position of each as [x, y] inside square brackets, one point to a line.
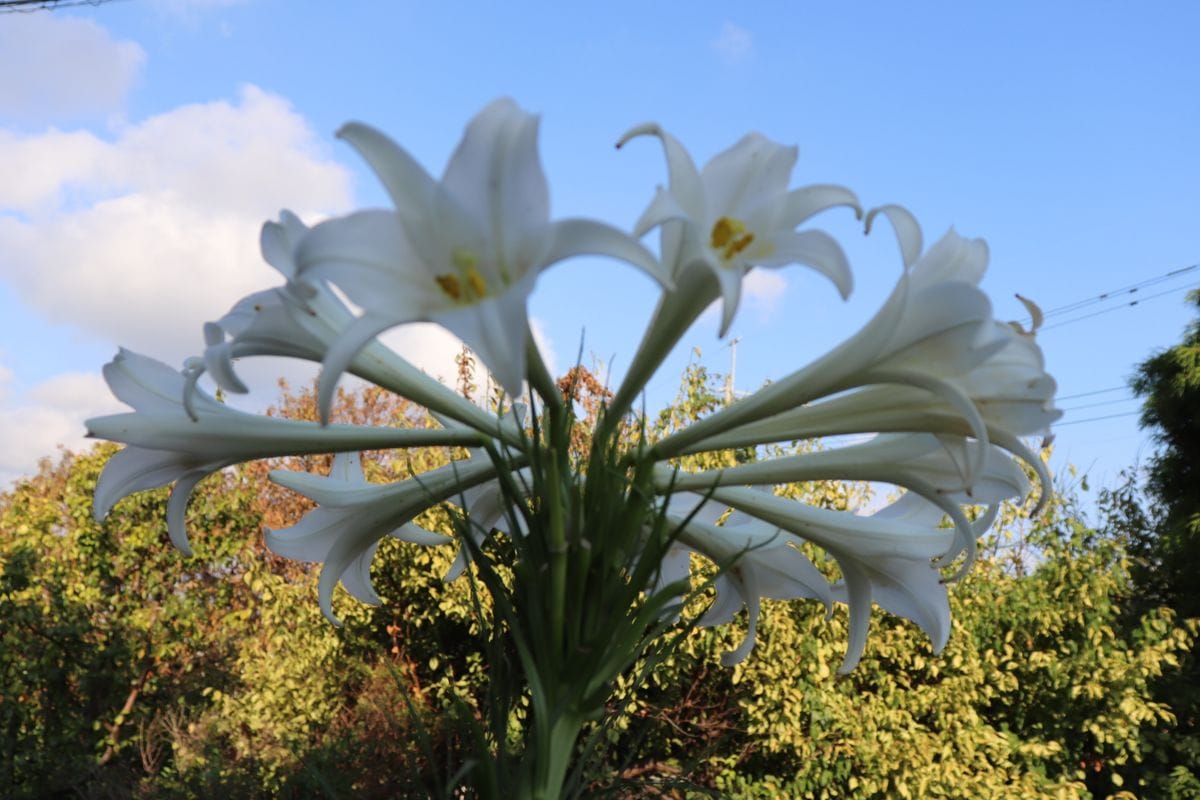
[544, 345]
[428, 347]
[733, 44]
[761, 292]
[34, 422]
[141, 239]
[54, 67]
[762, 289]
[433, 349]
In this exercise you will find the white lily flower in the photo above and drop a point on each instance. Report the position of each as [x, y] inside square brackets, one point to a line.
[464, 252]
[909, 460]
[290, 320]
[899, 585]
[936, 326]
[716, 225]
[934, 343]
[936, 467]
[738, 213]
[757, 560]
[885, 558]
[969, 377]
[167, 445]
[353, 516]
[304, 319]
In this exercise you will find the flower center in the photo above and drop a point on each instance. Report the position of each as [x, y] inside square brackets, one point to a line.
[730, 237]
[467, 285]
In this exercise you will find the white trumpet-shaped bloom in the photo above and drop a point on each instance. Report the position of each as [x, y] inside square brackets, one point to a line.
[935, 324]
[353, 516]
[304, 319]
[935, 467]
[757, 561]
[943, 391]
[738, 213]
[885, 558]
[295, 320]
[932, 360]
[169, 445]
[464, 252]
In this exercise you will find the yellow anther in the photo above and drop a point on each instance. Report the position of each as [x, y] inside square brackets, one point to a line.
[725, 229]
[450, 285]
[476, 282]
[466, 283]
[730, 237]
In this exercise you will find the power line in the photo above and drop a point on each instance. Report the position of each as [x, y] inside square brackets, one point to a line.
[29, 6]
[1101, 403]
[1094, 419]
[1116, 308]
[1089, 394]
[1112, 294]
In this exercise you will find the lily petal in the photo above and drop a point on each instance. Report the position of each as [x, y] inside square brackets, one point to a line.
[908, 232]
[578, 237]
[807, 201]
[407, 183]
[815, 249]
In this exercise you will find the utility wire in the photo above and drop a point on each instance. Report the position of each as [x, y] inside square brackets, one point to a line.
[1094, 419]
[1112, 294]
[1116, 308]
[1101, 403]
[1089, 394]
[29, 6]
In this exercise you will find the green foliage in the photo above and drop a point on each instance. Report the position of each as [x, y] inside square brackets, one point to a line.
[131, 671]
[102, 621]
[1040, 692]
[1169, 382]
[1160, 522]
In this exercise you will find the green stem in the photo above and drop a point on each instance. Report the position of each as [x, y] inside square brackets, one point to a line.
[555, 750]
[558, 553]
[541, 380]
[695, 287]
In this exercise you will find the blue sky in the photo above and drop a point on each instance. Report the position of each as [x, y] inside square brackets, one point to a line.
[143, 143]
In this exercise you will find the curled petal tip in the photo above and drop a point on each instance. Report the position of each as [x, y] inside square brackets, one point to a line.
[849, 663]
[325, 586]
[961, 572]
[906, 227]
[327, 612]
[100, 510]
[192, 375]
[1036, 317]
[348, 129]
[645, 129]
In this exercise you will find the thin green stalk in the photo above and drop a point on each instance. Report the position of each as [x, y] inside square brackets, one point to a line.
[675, 313]
[541, 380]
[558, 551]
[555, 756]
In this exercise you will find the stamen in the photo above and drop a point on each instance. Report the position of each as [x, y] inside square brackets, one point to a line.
[730, 237]
[476, 283]
[468, 284]
[450, 285]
